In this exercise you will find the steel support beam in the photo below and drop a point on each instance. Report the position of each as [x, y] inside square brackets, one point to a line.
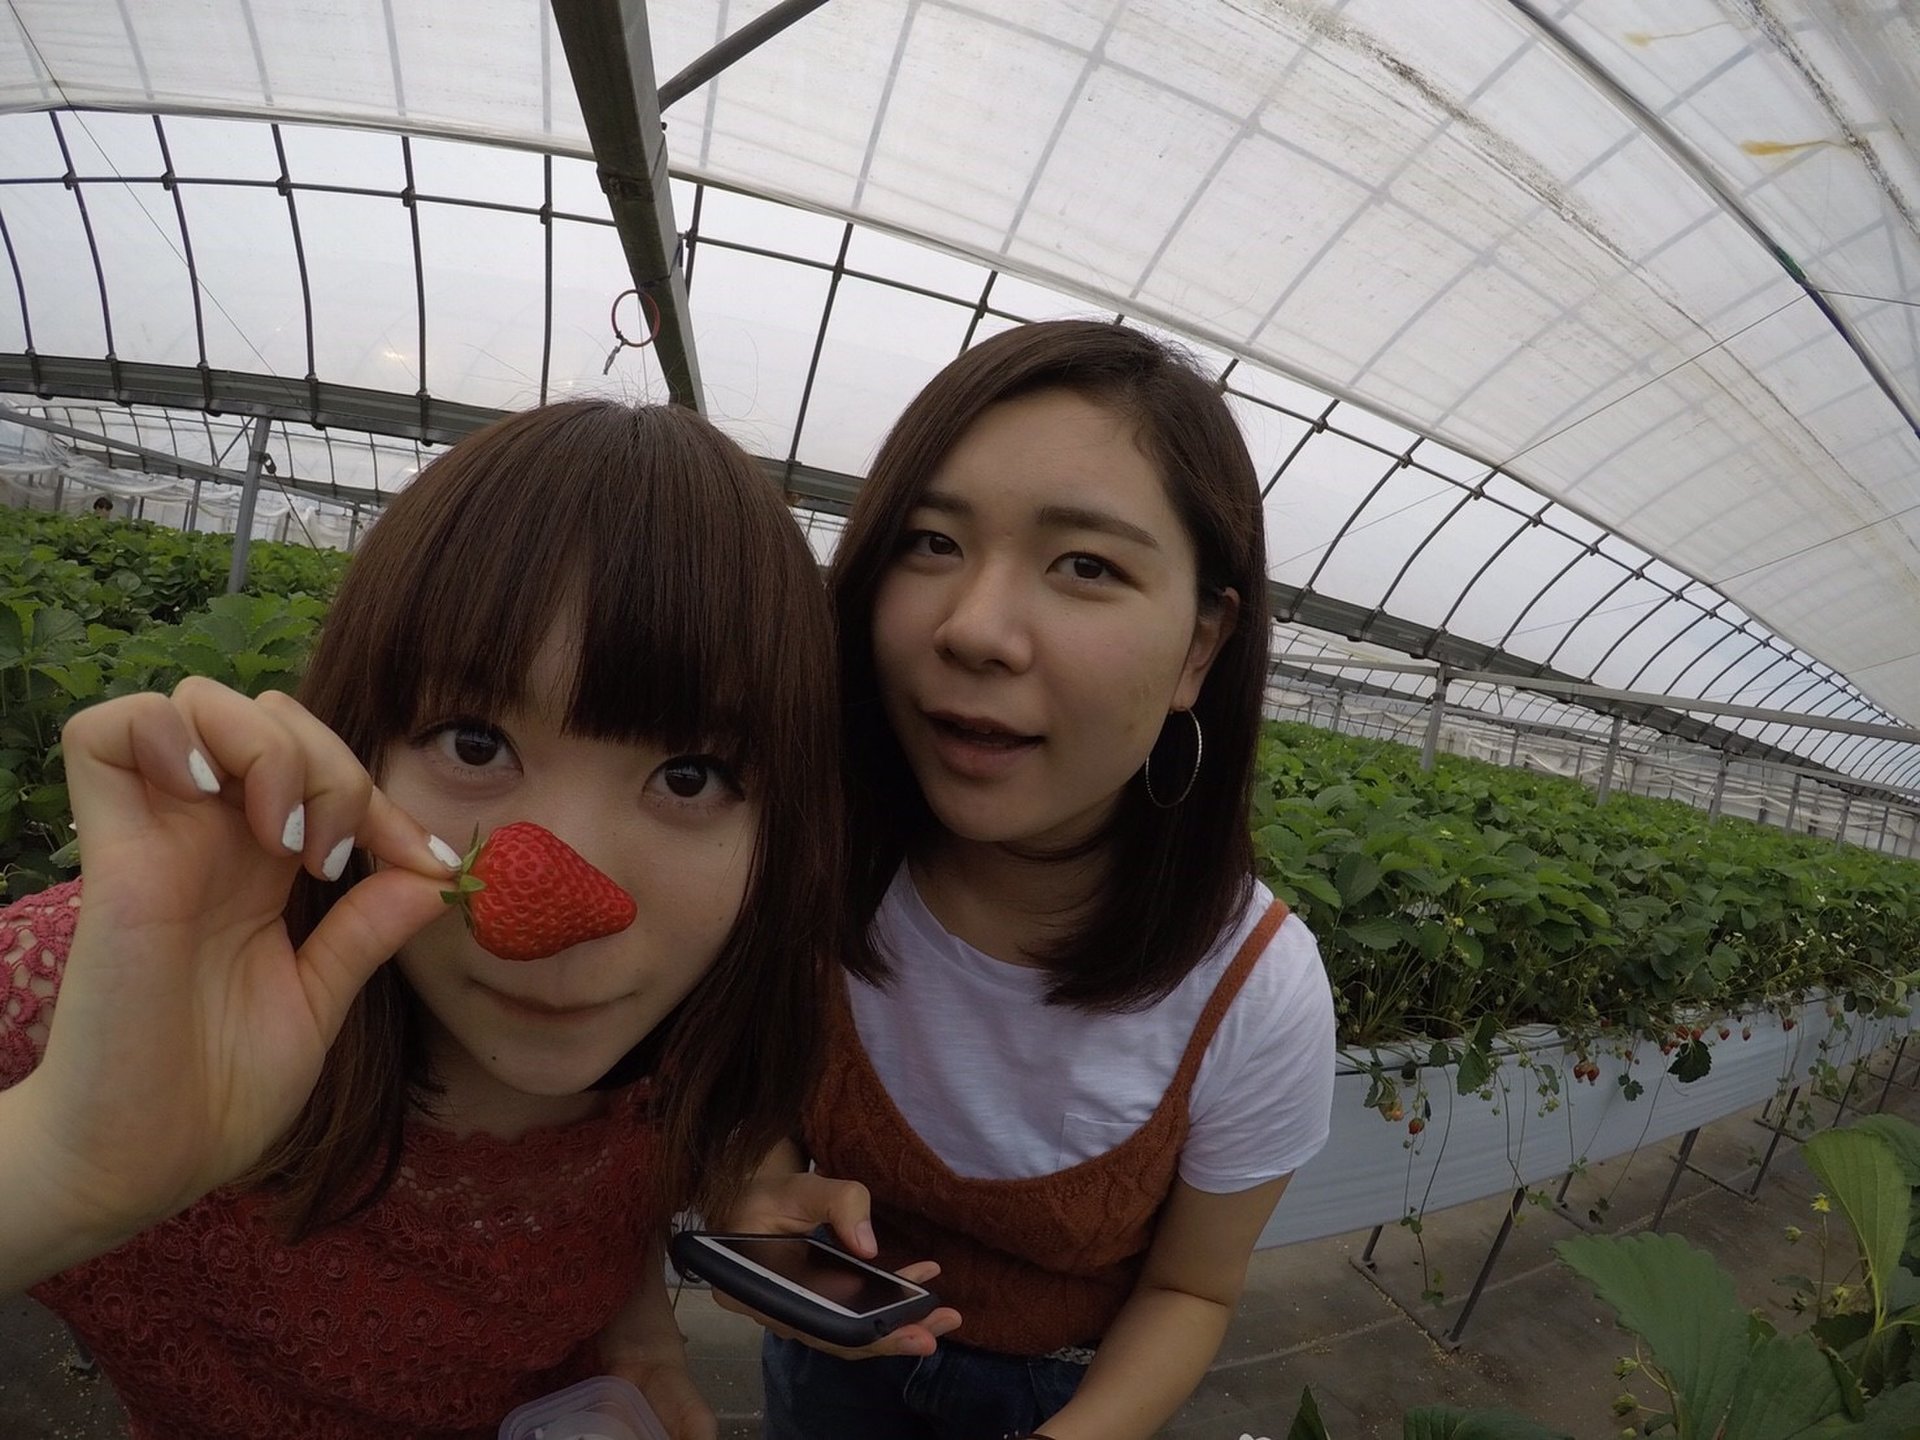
[610, 55]
[230, 392]
[749, 37]
[249, 493]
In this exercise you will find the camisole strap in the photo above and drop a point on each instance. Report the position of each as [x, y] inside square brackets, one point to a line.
[1224, 992]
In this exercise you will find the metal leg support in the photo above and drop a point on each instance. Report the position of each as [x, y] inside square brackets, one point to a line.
[1673, 1180]
[1779, 1128]
[1366, 1255]
[1486, 1267]
[1892, 1070]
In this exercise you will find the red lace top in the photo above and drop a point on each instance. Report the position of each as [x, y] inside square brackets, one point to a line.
[477, 1282]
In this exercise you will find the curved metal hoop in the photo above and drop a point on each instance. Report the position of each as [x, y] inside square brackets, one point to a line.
[1199, 745]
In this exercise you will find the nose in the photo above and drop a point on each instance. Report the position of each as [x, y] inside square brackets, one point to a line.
[988, 621]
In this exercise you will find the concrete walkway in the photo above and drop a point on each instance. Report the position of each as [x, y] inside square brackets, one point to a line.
[1537, 1342]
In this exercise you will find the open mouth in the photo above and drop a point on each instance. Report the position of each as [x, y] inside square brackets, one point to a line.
[988, 734]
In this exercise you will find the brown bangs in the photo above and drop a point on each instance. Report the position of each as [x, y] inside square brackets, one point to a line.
[680, 635]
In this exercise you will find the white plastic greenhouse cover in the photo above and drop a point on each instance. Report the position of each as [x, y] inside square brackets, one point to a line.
[1659, 259]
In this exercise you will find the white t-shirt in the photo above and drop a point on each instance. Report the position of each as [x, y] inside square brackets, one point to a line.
[1003, 1086]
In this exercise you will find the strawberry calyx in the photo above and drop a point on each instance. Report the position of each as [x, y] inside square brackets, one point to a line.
[465, 882]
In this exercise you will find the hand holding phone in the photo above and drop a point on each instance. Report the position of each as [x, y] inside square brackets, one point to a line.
[809, 1284]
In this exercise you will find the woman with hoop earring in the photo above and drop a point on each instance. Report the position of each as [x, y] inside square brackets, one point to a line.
[1080, 1049]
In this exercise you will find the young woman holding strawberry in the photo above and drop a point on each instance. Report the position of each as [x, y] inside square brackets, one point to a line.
[1082, 1048]
[280, 1187]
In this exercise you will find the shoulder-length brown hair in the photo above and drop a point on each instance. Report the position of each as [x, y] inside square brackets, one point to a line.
[1178, 877]
[704, 626]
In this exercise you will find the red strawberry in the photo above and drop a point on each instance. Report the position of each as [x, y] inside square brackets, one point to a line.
[1416, 1125]
[526, 894]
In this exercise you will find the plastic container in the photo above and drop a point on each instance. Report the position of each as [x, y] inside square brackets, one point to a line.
[603, 1408]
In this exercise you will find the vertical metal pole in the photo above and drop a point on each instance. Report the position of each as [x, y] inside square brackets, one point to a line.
[353, 528]
[1793, 802]
[1613, 756]
[1846, 809]
[193, 508]
[1339, 704]
[1431, 747]
[1719, 788]
[249, 493]
[1886, 814]
[1513, 750]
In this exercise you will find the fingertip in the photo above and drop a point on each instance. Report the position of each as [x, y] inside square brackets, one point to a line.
[863, 1242]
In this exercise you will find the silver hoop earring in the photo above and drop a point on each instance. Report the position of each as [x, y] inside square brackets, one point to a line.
[1146, 771]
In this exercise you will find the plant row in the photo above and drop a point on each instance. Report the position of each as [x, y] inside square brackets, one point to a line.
[1457, 903]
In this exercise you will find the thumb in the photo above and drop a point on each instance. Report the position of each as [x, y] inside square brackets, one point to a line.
[359, 934]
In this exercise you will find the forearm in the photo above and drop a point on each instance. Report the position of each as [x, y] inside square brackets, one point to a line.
[1153, 1355]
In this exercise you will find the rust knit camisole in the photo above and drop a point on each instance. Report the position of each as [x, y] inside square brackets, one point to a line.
[1032, 1264]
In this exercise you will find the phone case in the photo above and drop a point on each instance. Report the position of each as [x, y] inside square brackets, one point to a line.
[790, 1307]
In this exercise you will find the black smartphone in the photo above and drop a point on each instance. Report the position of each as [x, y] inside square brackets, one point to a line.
[807, 1283]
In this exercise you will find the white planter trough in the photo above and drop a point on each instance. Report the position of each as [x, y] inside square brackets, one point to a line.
[1372, 1172]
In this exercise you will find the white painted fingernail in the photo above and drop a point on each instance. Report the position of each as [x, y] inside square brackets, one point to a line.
[336, 862]
[443, 852]
[293, 834]
[202, 773]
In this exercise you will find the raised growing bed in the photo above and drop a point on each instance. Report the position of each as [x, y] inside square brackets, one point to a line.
[1534, 1121]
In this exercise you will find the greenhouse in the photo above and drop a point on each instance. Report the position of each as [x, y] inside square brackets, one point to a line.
[1577, 349]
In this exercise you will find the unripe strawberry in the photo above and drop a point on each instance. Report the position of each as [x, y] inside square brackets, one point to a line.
[1746, 1032]
[526, 894]
[1788, 1023]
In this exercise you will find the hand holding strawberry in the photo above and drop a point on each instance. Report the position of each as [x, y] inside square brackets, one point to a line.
[526, 894]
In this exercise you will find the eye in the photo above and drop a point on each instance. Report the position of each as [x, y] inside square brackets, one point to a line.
[928, 542]
[1082, 566]
[471, 744]
[696, 778]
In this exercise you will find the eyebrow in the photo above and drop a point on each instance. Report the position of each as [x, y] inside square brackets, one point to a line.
[1053, 517]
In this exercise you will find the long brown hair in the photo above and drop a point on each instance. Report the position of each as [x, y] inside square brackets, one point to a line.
[1177, 877]
[704, 626]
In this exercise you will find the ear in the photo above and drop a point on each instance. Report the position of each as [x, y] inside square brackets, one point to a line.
[1210, 631]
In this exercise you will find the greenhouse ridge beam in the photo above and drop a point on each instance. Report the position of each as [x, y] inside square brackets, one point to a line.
[218, 392]
[1582, 691]
[610, 54]
[1663, 134]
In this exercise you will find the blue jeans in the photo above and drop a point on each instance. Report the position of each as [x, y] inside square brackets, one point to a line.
[956, 1393]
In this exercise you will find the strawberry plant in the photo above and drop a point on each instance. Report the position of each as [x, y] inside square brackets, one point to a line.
[1458, 904]
[89, 610]
[1726, 1374]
